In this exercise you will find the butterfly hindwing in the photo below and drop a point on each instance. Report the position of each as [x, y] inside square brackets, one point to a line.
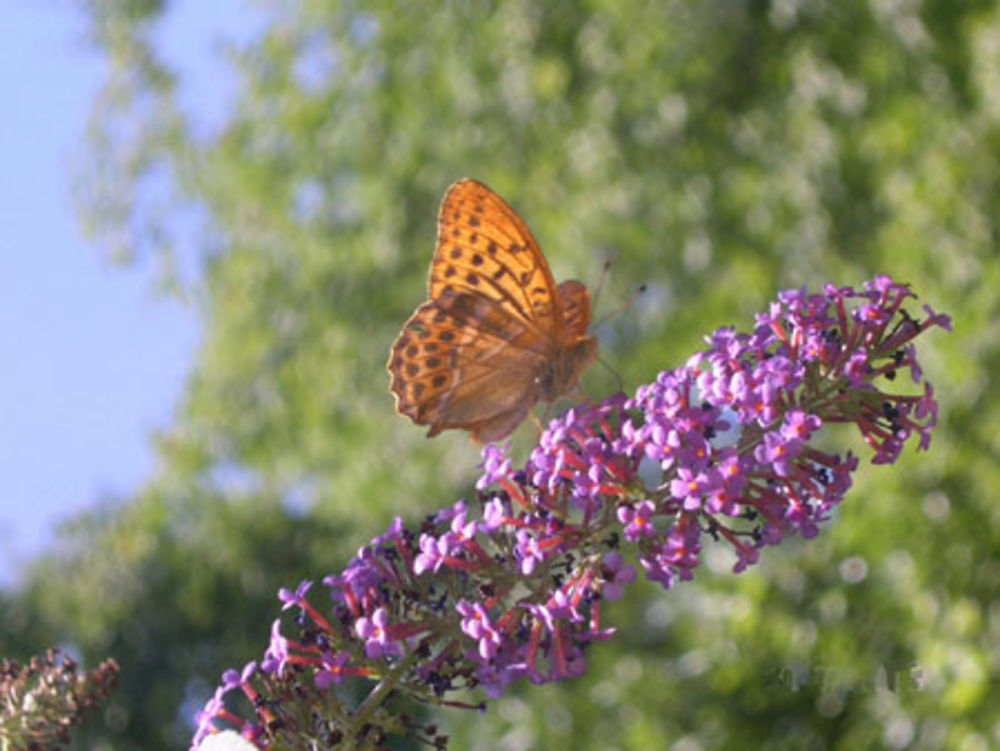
[575, 303]
[453, 366]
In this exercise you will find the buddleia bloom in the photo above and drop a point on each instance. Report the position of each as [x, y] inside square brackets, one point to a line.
[510, 586]
[42, 700]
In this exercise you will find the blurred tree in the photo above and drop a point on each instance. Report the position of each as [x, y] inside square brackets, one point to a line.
[716, 151]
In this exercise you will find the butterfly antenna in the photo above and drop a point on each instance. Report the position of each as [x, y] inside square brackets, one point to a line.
[600, 284]
[623, 307]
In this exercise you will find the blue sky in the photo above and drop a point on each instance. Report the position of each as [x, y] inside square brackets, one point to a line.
[93, 360]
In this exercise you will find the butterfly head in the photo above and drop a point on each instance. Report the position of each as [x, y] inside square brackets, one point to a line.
[562, 372]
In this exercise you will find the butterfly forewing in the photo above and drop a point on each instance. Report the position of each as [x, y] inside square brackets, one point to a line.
[485, 249]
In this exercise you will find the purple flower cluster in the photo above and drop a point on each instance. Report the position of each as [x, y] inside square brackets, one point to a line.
[720, 447]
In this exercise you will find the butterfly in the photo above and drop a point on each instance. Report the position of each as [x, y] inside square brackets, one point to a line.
[496, 334]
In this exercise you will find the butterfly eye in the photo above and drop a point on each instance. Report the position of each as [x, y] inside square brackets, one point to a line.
[546, 380]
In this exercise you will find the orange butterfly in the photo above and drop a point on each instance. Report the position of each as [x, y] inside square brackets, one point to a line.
[496, 334]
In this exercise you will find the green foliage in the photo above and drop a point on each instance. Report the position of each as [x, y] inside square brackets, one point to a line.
[717, 152]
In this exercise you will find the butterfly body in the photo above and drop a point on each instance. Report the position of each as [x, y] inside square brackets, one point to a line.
[496, 334]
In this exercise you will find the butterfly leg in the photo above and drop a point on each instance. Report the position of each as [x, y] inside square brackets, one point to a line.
[537, 421]
[582, 397]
